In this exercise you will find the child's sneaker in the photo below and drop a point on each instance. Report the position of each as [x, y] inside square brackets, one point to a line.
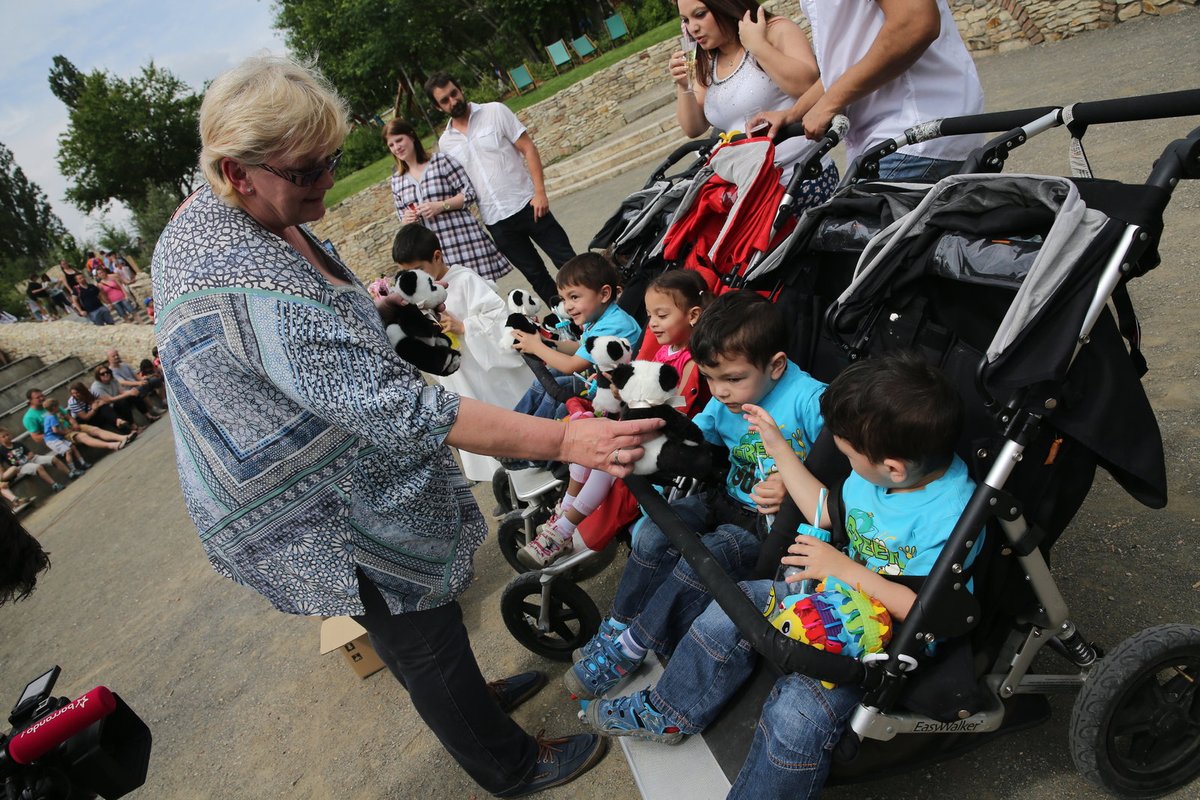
[601, 670]
[546, 547]
[607, 631]
[84, 465]
[74, 473]
[630, 716]
[57, 487]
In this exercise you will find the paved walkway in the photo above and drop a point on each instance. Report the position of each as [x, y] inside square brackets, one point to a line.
[241, 704]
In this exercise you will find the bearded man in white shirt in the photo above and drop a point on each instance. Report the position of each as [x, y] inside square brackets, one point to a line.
[504, 165]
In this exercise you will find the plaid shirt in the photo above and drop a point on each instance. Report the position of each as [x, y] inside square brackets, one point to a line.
[462, 238]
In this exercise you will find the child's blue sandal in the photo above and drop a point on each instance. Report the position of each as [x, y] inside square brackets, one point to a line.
[604, 668]
[630, 716]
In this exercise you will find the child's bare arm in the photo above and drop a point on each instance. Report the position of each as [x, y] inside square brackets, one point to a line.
[800, 483]
[561, 360]
[819, 560]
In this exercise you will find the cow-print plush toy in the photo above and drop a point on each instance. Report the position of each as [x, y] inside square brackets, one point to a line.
[415, 336]
[648, 389]
[607, 352]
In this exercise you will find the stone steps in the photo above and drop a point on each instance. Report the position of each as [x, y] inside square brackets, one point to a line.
[14, 371]
[13, 395]
[645, 143]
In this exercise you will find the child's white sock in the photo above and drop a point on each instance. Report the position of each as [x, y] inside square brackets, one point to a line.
[631, 646]
[564, 526]
[566, 504]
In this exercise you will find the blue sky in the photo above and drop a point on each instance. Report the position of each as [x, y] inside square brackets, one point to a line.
[194, 39]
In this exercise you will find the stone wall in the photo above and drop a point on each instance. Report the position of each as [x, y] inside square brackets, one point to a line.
[54, 340]
[362, 226]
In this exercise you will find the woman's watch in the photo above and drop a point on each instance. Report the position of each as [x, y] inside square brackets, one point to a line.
[445, 205]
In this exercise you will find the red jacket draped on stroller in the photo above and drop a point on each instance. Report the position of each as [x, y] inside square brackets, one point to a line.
[725, 217]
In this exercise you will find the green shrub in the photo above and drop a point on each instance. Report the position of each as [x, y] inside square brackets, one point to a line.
[649, 14]
[363, 145]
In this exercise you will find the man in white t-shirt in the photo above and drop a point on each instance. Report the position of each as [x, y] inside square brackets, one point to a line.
[887, 65]
[504, 165]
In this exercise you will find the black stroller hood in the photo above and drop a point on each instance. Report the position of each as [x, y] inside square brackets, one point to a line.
[1055, 247]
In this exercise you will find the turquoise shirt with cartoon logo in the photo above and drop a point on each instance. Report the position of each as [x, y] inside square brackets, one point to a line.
[902, 533]
[794, 402]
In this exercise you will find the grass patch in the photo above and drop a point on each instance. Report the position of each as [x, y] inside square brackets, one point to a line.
[355, 182]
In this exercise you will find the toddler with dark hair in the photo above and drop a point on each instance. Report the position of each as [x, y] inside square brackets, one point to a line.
[896, 419]
[737, 344]
[474, 316]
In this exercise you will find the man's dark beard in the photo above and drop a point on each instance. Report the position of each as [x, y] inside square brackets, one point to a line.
[459, 109]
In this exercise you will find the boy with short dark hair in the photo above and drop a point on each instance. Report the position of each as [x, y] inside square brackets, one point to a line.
[588, 285]
[896, 419]
[474, 315]
[738, 346]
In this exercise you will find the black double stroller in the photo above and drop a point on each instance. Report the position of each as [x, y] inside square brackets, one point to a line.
[1015, 285]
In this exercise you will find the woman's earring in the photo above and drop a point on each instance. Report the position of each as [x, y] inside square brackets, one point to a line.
[249, 190]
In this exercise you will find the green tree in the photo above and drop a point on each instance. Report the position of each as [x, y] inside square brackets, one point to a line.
[30, 233]
[362, 45]
[125, 136]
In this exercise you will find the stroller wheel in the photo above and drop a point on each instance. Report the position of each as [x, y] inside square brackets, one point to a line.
[511, 535]
[571, 619]
[1135, 728]
[502, 491]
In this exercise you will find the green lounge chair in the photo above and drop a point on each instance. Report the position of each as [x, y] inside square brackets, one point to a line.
[617, 29]
[585, 48]
[522, 79]
[559, 55]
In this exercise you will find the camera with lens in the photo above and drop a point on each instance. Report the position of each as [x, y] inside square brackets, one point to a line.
[62, 749]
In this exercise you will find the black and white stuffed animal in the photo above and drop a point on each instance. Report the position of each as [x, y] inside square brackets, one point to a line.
[416, 337]
[648, 389]
[607, 352]
[522, 315]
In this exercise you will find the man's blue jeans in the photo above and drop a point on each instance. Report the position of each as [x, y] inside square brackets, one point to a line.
[801, 720]
[659, 595]
[919, 169]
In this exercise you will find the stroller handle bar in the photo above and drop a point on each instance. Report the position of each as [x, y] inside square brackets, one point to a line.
[1132, 109]
[789, 655]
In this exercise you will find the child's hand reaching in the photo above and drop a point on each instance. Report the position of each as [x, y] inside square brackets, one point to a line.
[451, 324]
[530, 343]
[818, 560]
[768, 494]
[768, 430]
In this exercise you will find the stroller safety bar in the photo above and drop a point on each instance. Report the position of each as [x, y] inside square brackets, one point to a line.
[789, 655]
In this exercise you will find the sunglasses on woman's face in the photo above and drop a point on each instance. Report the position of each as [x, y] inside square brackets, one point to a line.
[306, 178]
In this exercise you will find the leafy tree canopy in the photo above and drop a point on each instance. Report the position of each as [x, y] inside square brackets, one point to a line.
[30, 233]
[365, 46]
[125, 136]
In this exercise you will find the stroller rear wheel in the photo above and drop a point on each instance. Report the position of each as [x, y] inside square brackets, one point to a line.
[572, 617]
[1135, 728]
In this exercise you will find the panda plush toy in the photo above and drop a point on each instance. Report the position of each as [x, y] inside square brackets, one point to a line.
[415, 336]
[607, 352]
[648, 390]
[523, 308]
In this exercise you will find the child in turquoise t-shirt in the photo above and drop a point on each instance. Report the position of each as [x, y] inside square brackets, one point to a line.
[588, 284]
[896, 419]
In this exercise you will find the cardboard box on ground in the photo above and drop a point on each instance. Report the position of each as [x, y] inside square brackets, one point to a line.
[343, 633]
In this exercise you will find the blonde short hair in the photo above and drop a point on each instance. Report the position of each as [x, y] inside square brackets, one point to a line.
[266, 107]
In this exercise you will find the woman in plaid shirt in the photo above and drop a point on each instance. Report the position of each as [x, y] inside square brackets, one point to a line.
[436, 192]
